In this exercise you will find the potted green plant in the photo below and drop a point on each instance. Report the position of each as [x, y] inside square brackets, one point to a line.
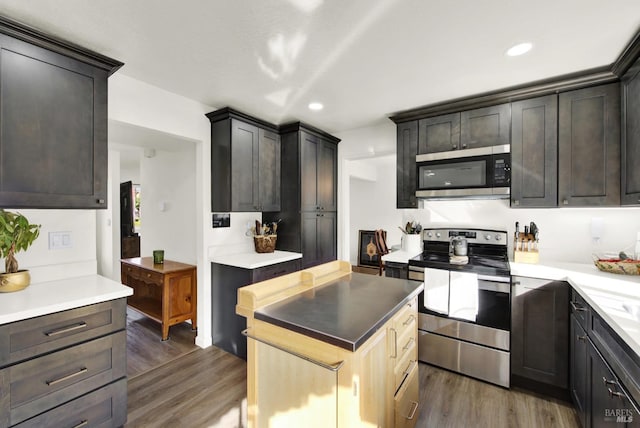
[16, 234]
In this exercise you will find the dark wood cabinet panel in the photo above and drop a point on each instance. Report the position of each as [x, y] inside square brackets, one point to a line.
[407, 149]
[579, 352]
[484, 127]
[630, 191]
[539, 331]
[439, 134]
[53, 116]
[534, 152]
[245, 163]
[589, 146]
[227, 326]
[309, 194]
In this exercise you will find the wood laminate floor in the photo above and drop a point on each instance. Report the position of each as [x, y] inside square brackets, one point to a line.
[207, 388]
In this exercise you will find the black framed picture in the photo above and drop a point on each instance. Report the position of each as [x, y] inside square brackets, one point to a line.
[367, 253]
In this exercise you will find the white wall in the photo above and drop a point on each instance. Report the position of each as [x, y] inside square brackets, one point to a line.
[565, 233]
[108, 224]
[167, 202]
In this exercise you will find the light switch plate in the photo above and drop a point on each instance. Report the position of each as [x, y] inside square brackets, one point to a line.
[60, 240]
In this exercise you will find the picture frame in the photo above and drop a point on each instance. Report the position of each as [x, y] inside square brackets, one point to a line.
[367, 252]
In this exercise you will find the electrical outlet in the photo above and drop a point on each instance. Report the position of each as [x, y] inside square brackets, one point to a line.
[60, 240]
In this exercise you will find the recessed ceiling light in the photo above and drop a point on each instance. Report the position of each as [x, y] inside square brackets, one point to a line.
[519, 49]
[316, 106]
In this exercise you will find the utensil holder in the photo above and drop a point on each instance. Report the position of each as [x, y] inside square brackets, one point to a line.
[265, 243]
[525, 249]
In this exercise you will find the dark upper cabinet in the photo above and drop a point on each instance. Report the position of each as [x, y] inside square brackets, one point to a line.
[53, 121]
[319, 167]
[407, 148]
[630, 185]
[245, 163]
[439, 134]
[589, 146]
[534, 152]
[486, 126]
[539, 334]
[309, 194]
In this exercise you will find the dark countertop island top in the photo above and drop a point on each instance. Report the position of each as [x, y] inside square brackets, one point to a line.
[344, 312]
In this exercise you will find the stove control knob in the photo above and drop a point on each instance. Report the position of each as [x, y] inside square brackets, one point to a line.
[438, 234]
[429, 234]
[488, 237]
[498, 237]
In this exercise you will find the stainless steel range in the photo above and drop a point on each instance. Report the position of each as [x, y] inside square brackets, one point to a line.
[465, 309]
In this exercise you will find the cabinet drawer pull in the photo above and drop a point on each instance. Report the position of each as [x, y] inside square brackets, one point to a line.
[408, 345]
[577, 308]
[608, 382]
[66, 329]
[409, 320]
[395, 343]
[616, 394]
[413, 411]
[83, 423]
[67, 377]
[582, 338]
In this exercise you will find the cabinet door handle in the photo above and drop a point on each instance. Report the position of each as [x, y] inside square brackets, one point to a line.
[412, 413]
[409, 320]
[464, 146]
[582, 338]
[565, 202]
[454, 147]
[576, 307]
[516, 202]
[66, 329]
[395, 343]
[608, 382]
[616, 394]
[83, 423]
[408, 345]
[67, 377]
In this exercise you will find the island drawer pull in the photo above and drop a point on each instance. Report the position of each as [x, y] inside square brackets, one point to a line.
[413, 411]
[395, 343]
[333, 367]
[409, 320]
[408, 345]
[67, 377]
[66, 329]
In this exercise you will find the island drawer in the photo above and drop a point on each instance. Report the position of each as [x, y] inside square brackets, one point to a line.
[36, 386]
[103, 408]
[407, 317]
[406, 401]
[29, 338]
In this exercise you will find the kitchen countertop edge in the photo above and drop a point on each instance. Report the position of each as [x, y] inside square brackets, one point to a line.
[45, 298]
[253, 260]
[597, 288]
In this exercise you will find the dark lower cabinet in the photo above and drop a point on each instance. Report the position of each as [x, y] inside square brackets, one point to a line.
[578, 363]
[53, 121]
[605, 372]
[225, 281]
[539, 335]
[589, 146]
[534, 152]
[396, 270]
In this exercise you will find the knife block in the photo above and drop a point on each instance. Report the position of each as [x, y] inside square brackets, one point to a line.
[525, 249]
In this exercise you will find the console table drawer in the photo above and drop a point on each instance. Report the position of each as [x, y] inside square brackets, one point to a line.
[103, 408]
[26, 339]
[36, 386]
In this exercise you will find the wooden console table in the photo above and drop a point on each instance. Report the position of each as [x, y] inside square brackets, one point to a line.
[164, 292]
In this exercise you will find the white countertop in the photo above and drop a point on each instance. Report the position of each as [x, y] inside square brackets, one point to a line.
[253, 260]
[400, 256]
[605, 292]
[45, 298]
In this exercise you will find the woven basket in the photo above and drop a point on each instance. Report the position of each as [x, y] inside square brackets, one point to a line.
[265, 243]
[626, 267]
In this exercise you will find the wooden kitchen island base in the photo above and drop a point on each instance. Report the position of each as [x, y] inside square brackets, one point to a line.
[164, 292]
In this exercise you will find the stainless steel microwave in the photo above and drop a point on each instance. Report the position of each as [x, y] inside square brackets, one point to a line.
[483, 172]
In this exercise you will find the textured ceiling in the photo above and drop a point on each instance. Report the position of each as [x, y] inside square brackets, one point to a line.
[363, 59]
